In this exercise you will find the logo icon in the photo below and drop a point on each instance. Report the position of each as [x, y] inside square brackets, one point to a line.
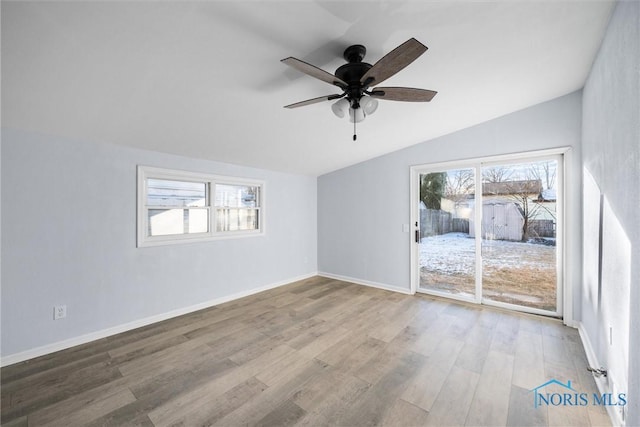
[568, 396]
[546, 398]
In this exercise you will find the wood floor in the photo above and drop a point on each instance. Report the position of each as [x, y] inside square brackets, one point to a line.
[318, 352]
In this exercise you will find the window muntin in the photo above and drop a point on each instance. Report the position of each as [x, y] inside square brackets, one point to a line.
[175, 206]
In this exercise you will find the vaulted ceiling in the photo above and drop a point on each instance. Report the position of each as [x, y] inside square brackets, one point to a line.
[204, 79]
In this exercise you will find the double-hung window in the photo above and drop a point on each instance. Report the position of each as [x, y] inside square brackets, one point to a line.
[176, 206]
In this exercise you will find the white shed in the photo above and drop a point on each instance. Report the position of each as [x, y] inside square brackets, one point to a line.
[501, 220]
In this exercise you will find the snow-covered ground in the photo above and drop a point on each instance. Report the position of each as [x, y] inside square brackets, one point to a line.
[451, 253]
[513, 272]
[454, 253]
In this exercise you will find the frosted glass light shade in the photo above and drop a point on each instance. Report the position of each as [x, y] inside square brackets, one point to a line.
[340, 107]
[369, 105]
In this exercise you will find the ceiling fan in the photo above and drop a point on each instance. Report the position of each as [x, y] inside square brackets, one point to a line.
[355, 78]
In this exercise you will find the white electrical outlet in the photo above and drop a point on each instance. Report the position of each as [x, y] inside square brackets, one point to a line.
[59, 312]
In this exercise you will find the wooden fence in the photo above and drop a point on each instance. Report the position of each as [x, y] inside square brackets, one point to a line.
[541, 228]
[435, 222]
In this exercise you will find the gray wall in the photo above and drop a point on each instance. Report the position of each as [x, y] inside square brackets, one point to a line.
[69, 237]
[611, 155]
[361, 208]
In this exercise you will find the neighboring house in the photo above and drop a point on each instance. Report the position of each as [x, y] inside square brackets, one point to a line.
[506, 206]
[531, 187]
[547, 201]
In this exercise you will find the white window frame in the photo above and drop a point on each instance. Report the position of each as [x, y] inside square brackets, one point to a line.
[149, 172]
[564, 290]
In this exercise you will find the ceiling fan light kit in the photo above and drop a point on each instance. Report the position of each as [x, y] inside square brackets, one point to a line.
[356, 77]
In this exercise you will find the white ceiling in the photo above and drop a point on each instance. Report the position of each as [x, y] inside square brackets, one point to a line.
[204, 79]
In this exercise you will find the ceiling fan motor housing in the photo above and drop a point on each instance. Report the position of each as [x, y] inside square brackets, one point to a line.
[354, 53]
[352, 72]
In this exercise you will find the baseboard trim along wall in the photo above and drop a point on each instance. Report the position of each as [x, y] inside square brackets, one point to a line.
[365, 282]
[601, 383]
[93, 336]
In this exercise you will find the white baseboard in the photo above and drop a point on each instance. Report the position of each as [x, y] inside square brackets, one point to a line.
[588, 347]
[602, 383]
[570, 322]
[365, 282]
[83, 339]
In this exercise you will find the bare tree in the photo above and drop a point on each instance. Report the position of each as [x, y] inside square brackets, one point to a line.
[460, 184]
[545, 172]
[496, 174]
[524, 194]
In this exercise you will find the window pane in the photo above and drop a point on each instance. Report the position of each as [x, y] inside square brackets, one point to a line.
[163, 222]
[237, 196]
[198, 220]
[519, 234]
[447, 248]
[234, 219]
[162, 192]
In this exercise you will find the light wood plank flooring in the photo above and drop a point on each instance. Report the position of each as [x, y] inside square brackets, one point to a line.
[318, 352]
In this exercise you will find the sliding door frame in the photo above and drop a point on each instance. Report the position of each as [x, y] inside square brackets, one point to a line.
[564, 300]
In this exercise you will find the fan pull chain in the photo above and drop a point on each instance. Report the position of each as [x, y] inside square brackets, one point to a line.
[354, 125]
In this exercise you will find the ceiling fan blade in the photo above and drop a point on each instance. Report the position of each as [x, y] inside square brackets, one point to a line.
[314, 71]
[408, 94]
[393, 62]
[313, 101]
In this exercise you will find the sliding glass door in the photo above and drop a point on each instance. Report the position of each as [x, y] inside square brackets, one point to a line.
[488, 231]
